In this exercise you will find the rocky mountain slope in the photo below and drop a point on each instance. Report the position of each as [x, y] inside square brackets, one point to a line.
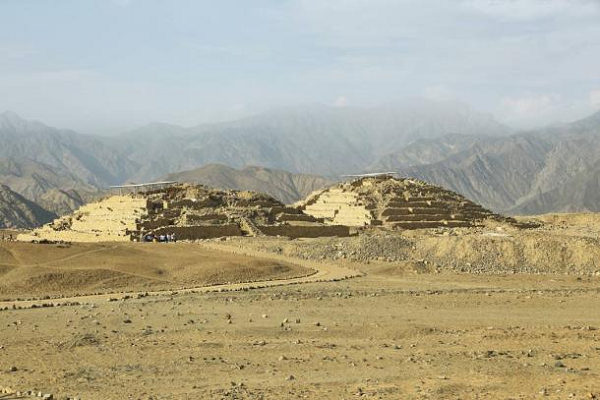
[55, 167]
[53, 188]
[312, 139]
[580, 193]
[85, 157]
[284, 186]
[444, 143]
[18, 212]
[540, 171]
[426, 151]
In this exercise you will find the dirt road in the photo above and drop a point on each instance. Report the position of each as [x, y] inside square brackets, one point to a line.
[320, 272]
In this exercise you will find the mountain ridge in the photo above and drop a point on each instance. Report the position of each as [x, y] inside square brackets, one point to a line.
[284, 186]
[445, 143]
[507, 173]
[16, 212]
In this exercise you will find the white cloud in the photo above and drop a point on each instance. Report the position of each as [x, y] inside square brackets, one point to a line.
[238, 107]
[341, 101]
[529, 106]
[531, 110]
[534, 110]
[122, 3]
[209, 50]
[595, 98]
[532, 9]
[438, 93]
[15, 51]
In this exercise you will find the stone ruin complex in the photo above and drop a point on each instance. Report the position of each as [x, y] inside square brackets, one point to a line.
[393, 203]
[194, 212]
[189, 211]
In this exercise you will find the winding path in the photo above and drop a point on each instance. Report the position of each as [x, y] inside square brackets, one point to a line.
[324, 272]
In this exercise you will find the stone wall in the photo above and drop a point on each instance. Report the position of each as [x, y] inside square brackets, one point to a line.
[200, 232]
[206, 217]
[296, 217]
[307, 231]
[154, 224]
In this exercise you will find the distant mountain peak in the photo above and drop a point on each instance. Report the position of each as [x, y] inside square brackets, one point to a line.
[595, 116]
[155, 129]
[11, 116]
[12, 120]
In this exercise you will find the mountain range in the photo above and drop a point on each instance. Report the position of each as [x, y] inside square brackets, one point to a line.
[447, 143]
[54, 188]
[58, 168]
[285, 186]
[547, 170]
[16, 212]
[315, 139]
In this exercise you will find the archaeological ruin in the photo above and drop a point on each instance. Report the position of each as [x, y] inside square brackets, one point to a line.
[396, 203]
[189, 212]
[192, 212]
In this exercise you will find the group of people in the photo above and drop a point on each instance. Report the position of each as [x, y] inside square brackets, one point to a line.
[8, 238]
[169, 237]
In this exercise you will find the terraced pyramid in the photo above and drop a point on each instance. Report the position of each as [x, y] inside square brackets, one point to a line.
[191, 212]
[393, 202]
[109, 220]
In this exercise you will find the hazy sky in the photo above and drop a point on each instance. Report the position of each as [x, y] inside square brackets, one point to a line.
[105, 66]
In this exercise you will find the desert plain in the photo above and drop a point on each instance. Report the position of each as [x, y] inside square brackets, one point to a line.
[486, 313]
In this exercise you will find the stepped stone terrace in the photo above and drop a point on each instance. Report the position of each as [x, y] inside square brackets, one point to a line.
[193, 212]
[190, 212]
[395, 203]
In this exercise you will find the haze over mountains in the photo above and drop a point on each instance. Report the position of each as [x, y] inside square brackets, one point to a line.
[314, 139]
[447, 143]
[548, 170]
[285, 186]
[310, 139]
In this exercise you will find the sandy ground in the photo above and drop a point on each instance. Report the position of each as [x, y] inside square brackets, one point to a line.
[561, 244]
[30, 270]
[392, 333]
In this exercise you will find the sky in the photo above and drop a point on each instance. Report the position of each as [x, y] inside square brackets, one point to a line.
[106, 66]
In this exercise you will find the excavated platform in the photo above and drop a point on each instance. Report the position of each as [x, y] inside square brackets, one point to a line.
[109, 220]
[190, 212]
[393, 203]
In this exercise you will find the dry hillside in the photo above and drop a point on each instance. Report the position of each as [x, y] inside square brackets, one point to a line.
[548, 170]
[444, 143]
[284, 186]
[29, 270]
[18, 212]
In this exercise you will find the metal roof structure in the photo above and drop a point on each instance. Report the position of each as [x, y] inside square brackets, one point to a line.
[120, 188]
[370, 175]
[136, 185]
